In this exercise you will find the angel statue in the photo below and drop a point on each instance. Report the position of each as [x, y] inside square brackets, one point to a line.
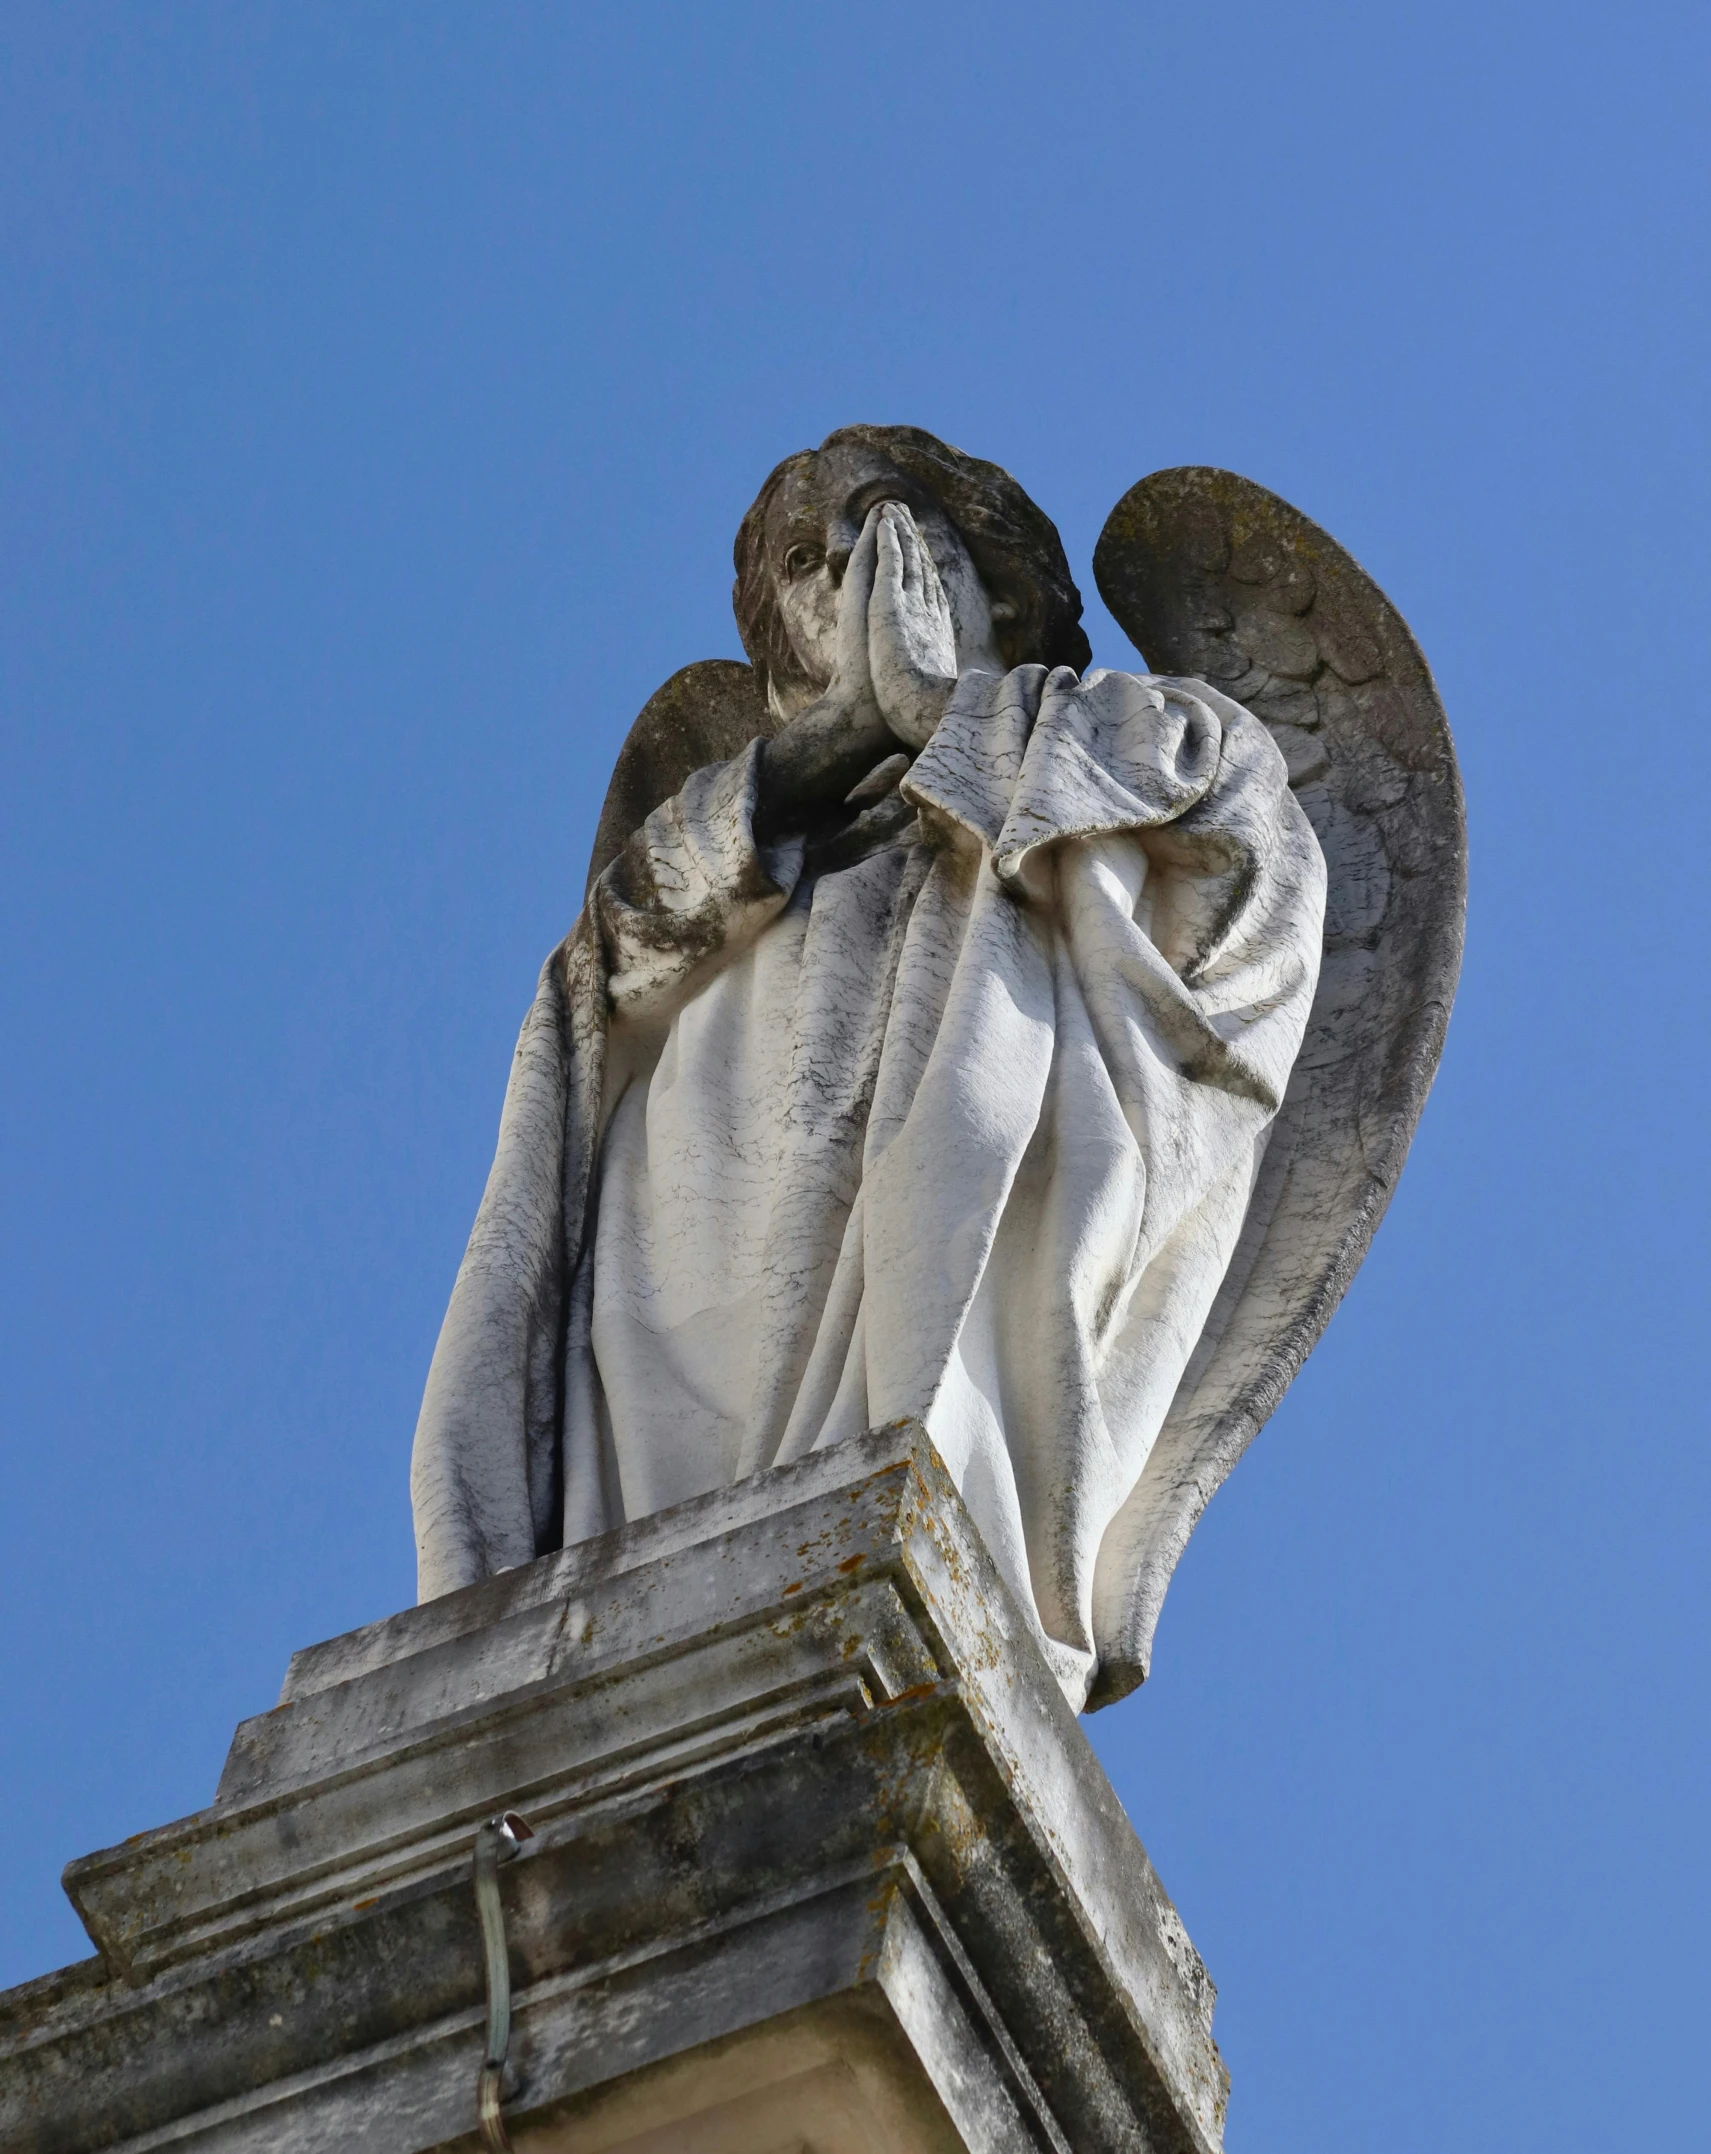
[955, 1032]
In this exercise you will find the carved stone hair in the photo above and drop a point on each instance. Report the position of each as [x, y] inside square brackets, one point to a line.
[1013, 544]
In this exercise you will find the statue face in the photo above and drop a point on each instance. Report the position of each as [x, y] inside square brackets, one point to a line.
[812, 527]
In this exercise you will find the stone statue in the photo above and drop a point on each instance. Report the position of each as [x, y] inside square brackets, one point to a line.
[952, 1032]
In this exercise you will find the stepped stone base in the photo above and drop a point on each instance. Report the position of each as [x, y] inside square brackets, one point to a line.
[822, 1860]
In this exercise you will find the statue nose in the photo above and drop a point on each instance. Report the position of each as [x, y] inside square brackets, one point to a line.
[841, 535]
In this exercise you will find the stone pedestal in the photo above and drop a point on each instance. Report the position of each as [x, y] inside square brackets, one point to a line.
[822, 1860]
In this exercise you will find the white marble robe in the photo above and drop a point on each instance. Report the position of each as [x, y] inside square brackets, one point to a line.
[955, 1116]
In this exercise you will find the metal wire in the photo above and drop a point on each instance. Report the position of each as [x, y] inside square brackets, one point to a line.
[495, 1841]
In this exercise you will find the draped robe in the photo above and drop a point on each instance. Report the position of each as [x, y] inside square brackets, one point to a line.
[950, 1112]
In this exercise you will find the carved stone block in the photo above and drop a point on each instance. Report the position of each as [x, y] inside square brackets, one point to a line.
[821, 1859]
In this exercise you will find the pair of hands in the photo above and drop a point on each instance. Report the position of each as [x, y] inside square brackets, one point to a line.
[894, 667]
[896, 638]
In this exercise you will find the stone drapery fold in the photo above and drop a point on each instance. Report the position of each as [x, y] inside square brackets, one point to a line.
[956, 1118]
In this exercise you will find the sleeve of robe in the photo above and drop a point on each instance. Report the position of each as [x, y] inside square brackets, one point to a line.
[485, 1477]
[1124, 971]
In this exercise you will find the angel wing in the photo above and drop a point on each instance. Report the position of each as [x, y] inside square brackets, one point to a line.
[1211, 575]
[706, 713]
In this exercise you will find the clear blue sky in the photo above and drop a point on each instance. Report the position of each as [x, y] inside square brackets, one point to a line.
[380, 387]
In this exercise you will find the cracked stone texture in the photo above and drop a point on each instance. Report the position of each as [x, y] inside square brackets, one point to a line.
[814, 1830]
[1216, 578]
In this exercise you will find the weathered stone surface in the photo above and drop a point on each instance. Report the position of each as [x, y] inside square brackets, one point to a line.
[827, 1116]
[706, 713]
[807, 1801]
[1216, 578]
[839, 2078]
[1213, 576]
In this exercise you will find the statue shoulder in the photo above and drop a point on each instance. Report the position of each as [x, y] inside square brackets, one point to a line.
[705, 713]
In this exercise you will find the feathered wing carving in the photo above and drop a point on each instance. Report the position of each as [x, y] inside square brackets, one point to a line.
[706, 713]
[1211, 575]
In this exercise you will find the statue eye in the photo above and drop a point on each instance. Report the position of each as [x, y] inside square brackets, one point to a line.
[802, 561]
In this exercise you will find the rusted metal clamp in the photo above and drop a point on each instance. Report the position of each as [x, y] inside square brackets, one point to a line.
[495, 1842]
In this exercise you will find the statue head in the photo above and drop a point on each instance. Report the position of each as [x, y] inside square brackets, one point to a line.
[998, 555]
